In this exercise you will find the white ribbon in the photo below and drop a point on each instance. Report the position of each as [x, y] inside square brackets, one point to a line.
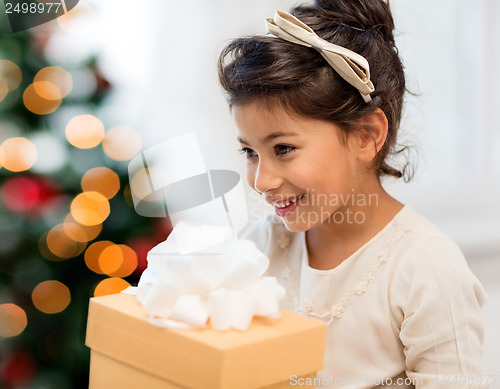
[351, 66]
[184, 291]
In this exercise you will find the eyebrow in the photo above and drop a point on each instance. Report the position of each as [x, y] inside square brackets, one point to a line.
[270, 137]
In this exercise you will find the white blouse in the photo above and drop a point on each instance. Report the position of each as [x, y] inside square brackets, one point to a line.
[404, 308]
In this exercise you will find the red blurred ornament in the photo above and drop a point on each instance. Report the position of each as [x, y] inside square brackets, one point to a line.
[162, 228]
[28, 193]
[17, 369]
[141, 246]
[103, 85]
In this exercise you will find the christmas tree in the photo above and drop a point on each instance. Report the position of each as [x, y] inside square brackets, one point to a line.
[68, 228]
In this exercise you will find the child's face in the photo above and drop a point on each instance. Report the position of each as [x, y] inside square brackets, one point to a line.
[299, 161]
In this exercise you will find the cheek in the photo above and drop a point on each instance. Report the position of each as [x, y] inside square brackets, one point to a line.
[308, 176]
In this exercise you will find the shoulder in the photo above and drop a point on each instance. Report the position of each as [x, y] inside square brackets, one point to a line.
[427, 262]
[261, 232]
[423, 245]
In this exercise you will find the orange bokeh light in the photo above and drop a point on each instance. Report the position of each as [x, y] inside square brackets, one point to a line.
[4, 88]
[63, 245]
[102, 180]
[2, 157]
[13, 320]
[90, 208]
[75, 232]
[93, 253]
[118, 260]
[110, 286]
[47, 90]
[129, 263]
[140, 185]
[51, 296]
[84, 131]
[122, 143]
[11, 74]
[59, 79]
[19, 154]
[110, 259]
[37, 103]
[91, 232]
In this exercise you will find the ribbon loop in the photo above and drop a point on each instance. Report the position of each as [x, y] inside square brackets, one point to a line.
[184, 291]
[352, 67]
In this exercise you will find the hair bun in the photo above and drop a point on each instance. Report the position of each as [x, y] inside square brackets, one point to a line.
[365, 14]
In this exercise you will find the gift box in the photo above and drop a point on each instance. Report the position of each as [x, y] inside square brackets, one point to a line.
[129, 352]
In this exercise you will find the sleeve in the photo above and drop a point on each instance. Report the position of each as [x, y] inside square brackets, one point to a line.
[439, 301]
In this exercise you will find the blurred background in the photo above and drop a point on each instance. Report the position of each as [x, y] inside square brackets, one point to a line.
[82, 95]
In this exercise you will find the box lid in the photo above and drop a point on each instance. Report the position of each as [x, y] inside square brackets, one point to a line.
[270, 351]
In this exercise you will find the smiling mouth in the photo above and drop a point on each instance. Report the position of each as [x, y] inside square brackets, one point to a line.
[287, 207]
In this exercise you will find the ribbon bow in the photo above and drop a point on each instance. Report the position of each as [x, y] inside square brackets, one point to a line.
[184, 291]
[351, 66]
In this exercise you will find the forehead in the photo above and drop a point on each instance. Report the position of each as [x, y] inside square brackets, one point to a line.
[257, 122]
[260, 119]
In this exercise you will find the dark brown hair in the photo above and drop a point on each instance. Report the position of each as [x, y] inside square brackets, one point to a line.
[275, 72]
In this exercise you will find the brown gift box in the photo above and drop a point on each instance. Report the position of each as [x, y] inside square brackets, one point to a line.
[128, 352]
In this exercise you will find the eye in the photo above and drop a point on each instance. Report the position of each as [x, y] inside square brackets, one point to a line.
[249, 153]
[281, 150]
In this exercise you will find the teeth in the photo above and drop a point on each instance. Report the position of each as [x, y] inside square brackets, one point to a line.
[283, 205]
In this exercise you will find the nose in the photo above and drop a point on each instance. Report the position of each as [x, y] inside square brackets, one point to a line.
[266, 177]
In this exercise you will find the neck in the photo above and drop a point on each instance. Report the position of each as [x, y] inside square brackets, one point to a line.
[361, 216]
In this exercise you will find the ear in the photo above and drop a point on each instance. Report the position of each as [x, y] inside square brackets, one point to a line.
[372, 136]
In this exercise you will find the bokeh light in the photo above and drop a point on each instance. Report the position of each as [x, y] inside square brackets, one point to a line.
[85, 131]
[53, 83]
[110, 259]
[60, 244]
[140, 186]
[51, 296]
[13, 320]
[102, 180]
[2, 157]
[76, 232]
[18, 369]
[37, 103]
[118, 260]
[19, 154]
[77, 21]
[4, 88]
[122, 143]
[90, 208]
[47, 90]
[10, 76]
[127, 195]
[93, 253]
[20, 194]
[129, 264]
[110, 286]
[73, 232]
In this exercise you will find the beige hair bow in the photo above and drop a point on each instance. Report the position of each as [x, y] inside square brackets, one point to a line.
[351, 66]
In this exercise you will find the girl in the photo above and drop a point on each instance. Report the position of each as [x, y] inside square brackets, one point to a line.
[317, 104]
